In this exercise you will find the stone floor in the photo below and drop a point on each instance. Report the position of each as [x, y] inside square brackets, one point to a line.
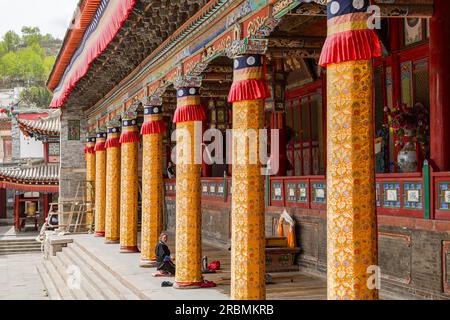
[291, 285]
[19, 279]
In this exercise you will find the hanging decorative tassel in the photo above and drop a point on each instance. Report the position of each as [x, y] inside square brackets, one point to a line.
[153, 127]
[130, 132]
[112, 143]
[249, 79]
[350, 46]
[113, 140]
[89, 149]
[349, 36]
[189, 113]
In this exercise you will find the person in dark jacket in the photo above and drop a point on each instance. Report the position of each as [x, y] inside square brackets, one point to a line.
[165, 265]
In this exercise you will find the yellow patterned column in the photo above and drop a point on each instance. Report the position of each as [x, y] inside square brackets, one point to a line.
[248, 230]
[100, 184]
[129, 185]
[351, 211]
[152, 184]
[90, 180]
[188, 117]
[112, 229]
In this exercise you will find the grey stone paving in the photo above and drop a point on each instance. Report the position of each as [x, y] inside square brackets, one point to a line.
[19, 279]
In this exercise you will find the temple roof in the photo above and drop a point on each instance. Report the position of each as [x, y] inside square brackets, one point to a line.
[40, 178]
[48, 126]
[121, 34]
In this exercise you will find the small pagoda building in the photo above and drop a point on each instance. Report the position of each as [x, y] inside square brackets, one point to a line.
[35, 182]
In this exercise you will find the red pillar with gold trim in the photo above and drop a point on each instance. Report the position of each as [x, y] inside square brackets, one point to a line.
[440, 85]
[112, 219]
[188, 117]
[89, 152]
[351, 211]
[129, 184]
[152, 183]
[248, 92]
[100, 184]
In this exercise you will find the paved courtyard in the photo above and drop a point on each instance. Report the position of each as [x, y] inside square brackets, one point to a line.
[19, 278]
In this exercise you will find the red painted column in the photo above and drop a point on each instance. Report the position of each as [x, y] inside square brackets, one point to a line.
[17, 212]
[3, 204]
[46, 156]
[45, 206]
[440, 85]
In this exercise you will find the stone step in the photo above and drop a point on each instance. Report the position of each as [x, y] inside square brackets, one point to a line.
[6, 252]
[20, 246]
[49, 285]
[63, 271]
[120, 288]
[58, 282]
[94, 287]
[18, 242]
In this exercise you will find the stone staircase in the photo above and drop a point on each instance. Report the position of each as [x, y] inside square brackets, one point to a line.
[19, 246]
[76, 274]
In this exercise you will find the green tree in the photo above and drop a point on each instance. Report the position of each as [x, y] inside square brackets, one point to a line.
[39, 97]
[31, 35]
[11, 41]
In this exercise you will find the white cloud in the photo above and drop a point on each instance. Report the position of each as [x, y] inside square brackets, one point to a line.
[51, 16]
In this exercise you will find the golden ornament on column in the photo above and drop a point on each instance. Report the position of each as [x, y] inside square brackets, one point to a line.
[188, 117]
[152, 183]
[112, 225]
[129, 185]
[351, 211]
[247, 94]
[100, 184]
[89, 152]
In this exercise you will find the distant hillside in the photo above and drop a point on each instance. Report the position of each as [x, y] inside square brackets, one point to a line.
[26, 60]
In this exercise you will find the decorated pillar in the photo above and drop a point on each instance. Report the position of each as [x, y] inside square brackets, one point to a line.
[248, 92]
[188, 117]
[100, 184]
[440, 86]
[112, 219]
[351, 211]
[129, 184]
[89, 151]
[152, 183]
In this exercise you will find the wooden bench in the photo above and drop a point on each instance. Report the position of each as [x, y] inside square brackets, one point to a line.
[280, 258]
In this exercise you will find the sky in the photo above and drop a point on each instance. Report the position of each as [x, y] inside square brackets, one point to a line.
[51, 16]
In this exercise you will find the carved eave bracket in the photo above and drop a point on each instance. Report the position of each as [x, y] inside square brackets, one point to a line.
[248, 46]
[187, 81]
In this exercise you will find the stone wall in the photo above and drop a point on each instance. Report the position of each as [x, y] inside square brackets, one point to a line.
[73, 167]
[414, 254]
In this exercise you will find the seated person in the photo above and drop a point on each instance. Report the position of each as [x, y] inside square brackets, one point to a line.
[165, 265]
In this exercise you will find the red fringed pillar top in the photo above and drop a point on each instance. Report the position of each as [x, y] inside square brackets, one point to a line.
[101, 141]
[349, 36]
[90, 145]
[153, 121]
[249, 79]
[130, 131]
[189, 106]
[113, 140]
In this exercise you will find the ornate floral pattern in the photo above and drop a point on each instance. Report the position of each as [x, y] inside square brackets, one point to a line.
[100, 192]
[352, 223]
[152, 196]
[188, 209]
[112, 230]
[90, 187]
[248, 237]
[129, 197]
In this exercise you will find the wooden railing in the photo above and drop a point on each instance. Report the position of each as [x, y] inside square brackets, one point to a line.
[416, 195]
